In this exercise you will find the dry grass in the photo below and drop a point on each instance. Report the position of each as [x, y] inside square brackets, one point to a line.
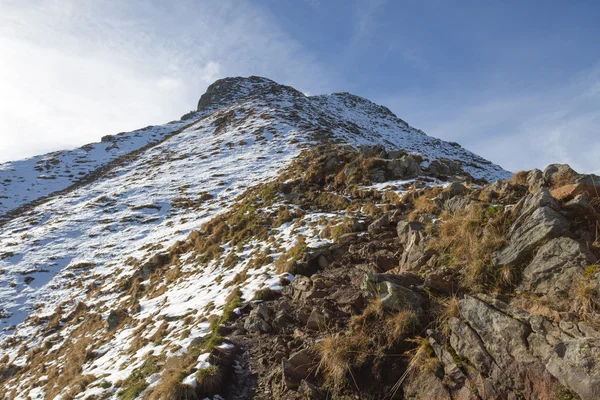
[210, 380]
[468, 239]
[422, 202]
[170, 386]
[374, 313]
[422, 359]
[266, 294]
[400, 325]
[520, 178]
[287, 262]
[586, 297]
[340, 354]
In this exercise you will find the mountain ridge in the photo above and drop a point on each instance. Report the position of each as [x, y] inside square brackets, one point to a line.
[277, 245]
[57, 170]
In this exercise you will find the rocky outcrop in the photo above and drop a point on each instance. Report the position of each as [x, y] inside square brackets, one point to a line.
[555, 270]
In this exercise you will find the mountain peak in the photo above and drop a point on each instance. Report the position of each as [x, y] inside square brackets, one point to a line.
[226, 91]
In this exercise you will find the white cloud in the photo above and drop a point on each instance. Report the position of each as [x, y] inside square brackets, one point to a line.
[73, 71]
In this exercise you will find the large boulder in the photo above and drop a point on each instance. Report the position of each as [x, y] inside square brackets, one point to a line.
[559, 174]
[444, 167]
[570, 191]
[405, 167]
[495, 343]
[526, 234]
[571, 354]
[555, 269]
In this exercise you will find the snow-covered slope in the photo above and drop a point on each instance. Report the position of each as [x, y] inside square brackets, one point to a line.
[158, 185]
[26, 180]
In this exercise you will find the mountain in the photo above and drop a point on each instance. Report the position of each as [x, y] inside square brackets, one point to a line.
[277, 245]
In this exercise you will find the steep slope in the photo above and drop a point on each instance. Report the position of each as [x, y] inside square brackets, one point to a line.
[25, 181]
[111, 276]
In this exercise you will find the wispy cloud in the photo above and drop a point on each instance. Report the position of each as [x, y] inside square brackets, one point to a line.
[524, 130]
[73, 71]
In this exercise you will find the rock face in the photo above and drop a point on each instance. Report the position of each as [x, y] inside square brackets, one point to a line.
[538, 222]
[554, 271]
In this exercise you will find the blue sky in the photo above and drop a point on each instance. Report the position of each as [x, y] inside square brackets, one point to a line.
[517, 82]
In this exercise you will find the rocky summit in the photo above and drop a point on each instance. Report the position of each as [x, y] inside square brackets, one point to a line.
[273, 245]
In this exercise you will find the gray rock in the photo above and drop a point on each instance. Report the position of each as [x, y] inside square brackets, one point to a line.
[535, 180]
[559, 174]
[406, 229]
[504, 337]
[297, 368]
[543, 224]
[455, 189]
[444, 167]
[394, 296]
[316, 321]
[576, 364]
[457, 203]
[379, 225]
[554, 270]
[405, 167]
[469, 346]
[257, 320]
[574, 361]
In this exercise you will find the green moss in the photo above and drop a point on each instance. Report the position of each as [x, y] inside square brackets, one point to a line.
[203, 373]
[105, 384]
[136, 382]
[287, 261]
[564, 393]
[591, 270]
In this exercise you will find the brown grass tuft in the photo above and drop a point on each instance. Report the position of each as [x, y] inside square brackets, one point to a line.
[467, 240]
[340, 354]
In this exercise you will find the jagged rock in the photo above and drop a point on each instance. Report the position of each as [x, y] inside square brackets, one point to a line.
[455, 189]
[348, 297]
[415, 255]
[379, 225]
[570, 191]
[301, 283]
[554, 270]
[405, 167]
[385, 260]
[439, 168]
[559, 174]
[504, 337]
[503, 192]
[377, 151]
[441, 283]
[499, 343]
[394, 296]
[454, 378]
[256, 321]
[316, 321]
[406, 229]
[311, 392]
[457, 203]
[297, 368]
[535, 180]
[469, 345]
[527, 205]
[574, 361]
[543, 224]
